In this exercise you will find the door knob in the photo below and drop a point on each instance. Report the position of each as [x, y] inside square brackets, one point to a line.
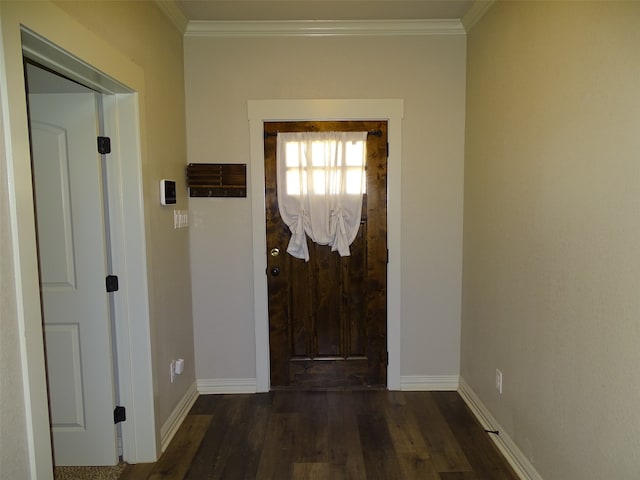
[275, 271]
[275, 252]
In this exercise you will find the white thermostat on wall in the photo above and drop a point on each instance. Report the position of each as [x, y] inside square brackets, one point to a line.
[167, 192]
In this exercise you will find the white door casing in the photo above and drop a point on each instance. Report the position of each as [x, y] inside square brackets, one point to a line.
[57, 47]
[260, 111]
[73, 266]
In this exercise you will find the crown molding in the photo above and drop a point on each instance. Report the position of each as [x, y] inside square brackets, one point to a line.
[323, 28]
[475, 13]
[173, 13]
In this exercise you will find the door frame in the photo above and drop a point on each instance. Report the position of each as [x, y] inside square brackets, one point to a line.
[122, 120]
[260, 111]
[127, 242]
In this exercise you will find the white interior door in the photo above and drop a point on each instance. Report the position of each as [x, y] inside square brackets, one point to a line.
[73, 266]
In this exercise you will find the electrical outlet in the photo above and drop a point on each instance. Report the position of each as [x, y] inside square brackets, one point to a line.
[172, 369]
[499, 381]
[179, 366]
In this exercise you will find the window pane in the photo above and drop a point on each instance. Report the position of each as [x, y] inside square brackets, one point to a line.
[319, 179]
[355, 181]
[293, 154]
[355, 153]
[324, 177]
[318, 154]
[293, 182]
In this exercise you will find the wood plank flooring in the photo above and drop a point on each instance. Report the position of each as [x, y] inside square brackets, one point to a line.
[337, 435]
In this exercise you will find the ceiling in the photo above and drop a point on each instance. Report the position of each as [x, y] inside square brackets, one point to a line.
[271, 10]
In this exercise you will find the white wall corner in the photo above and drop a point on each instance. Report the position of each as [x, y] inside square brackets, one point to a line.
[518, 461]
[209, 386]
[172, 424]
[172, 12]
[475, 13]
[429, 383]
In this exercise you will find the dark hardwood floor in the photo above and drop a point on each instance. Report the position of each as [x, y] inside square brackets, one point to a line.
[329, 435]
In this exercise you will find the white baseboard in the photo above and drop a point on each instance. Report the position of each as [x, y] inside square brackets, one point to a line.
[170, 427]
[207, 386]
[429, 383]
[248, 385]
[518, 461]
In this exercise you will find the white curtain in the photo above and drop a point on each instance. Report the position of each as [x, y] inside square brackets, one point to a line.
[321, 180]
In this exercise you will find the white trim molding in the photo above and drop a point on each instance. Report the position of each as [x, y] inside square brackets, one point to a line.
[209, 386]
[174, 14]
[429, 383]
[131, 305]
[518, 461]
[122, 83]
[172, 424]
[260, 111]
[323, 28]
[475, 13]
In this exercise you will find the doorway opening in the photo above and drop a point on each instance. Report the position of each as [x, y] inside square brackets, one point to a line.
[127, 253]
[328, 315]
[72, 225]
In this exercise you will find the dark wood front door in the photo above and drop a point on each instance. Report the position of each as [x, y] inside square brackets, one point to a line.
[328, 316]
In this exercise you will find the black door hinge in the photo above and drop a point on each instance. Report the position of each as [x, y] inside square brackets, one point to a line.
[104, 145]
[387, 149]
[112, 283]
[387, 358]
[119, 414]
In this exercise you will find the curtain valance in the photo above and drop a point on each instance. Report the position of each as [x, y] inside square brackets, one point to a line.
[321, 181]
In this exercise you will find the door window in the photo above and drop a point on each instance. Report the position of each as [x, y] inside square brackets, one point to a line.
[321, 179]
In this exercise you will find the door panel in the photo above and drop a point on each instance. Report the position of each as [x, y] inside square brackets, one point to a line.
[65, 381]
[73, 266]
[51, 181]
[327, 317]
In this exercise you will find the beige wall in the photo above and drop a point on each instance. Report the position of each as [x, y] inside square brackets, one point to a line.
[427, 72]
[551, 232]
[102, 33]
